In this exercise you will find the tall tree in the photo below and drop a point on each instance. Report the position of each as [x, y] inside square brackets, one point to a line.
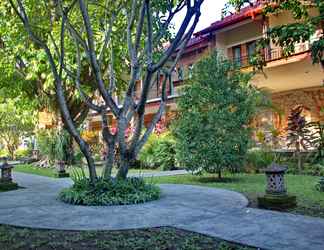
[146, 60]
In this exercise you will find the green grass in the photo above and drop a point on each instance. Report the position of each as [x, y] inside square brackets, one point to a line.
[164, 238]
[131, 171]
[310, 201]
[29, 169]
[50, 172]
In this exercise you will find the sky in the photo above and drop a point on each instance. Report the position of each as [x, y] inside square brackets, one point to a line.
[210, 12]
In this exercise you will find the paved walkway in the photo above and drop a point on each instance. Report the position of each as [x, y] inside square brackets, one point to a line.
[215, 212]
[159, 173]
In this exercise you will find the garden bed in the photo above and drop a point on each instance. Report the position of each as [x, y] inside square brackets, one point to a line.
[109, 192]
[164, 238]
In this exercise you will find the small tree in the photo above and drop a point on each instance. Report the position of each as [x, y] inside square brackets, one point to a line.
[212, 129]
[15, 122]
[299, 133]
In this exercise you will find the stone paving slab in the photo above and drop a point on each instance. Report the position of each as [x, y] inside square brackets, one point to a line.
[215, 212]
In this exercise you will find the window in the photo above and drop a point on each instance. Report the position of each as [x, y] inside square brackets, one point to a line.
[180, 73]
[251, 47]
[237, 55]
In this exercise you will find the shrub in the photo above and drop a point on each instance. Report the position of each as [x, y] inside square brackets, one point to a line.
[318, 141]
[159, 152]
[146, 156]
[108, 192]
[320, 185]
[314, 169]
[78, 156]
[53, 144]
[309, 169]
[258, 159]
[22, 153]
[4, 152]
[215, 110]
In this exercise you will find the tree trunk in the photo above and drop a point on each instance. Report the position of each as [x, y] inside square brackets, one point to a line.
[123, 168]
[109, 161]
[11, 152]
[299, 158]
[219, 174]
[69, 152]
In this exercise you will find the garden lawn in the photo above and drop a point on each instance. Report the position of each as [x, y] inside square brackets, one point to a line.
[310, 201]
[30, 169]
[50, 172]
[13, 238]
[131, 171]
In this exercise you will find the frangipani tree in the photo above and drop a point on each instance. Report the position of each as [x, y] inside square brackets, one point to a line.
[146, 59]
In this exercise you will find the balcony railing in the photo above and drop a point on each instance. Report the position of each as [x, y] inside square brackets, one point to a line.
[278, 53]
[272, 55]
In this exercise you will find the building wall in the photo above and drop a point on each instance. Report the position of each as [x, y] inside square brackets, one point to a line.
[292, 81]
[285, 74]
[311, 98]
[285, 17]
[246, 32]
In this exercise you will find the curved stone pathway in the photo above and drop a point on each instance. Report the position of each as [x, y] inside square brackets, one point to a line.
[214, 212]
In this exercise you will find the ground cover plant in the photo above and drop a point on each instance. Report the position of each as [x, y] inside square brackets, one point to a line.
[164, 238]
[310, 201]
[107, 192]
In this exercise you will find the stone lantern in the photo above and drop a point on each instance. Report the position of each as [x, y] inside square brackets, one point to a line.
[276, 196]
[275, 180]
[6, 182]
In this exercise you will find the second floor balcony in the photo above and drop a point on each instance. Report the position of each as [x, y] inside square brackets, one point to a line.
[269, 55]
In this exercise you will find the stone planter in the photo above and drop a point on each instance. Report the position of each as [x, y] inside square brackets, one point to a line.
[6, 182]
[61, 172]
[35, 154]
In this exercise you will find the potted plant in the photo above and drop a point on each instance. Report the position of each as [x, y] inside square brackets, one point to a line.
[59, 153]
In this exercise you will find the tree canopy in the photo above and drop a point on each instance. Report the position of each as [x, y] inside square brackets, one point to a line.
[111, 44]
